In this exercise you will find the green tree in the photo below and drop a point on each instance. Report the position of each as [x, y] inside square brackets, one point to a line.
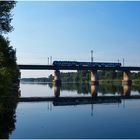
[9, 72]
[6, 16]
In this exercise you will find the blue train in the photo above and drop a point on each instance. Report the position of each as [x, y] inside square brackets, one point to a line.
[86, 64]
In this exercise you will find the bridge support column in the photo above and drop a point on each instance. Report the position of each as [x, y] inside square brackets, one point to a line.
[57, 79]
[94, 77]
[126, 78]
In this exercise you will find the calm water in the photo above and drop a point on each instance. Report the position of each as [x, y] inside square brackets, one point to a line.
[110, 119]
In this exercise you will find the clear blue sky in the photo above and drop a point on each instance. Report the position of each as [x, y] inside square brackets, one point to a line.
[70, 30]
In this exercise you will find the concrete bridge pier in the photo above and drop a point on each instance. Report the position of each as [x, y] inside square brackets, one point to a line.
[94, 77]
[57, 79]
[126, 78]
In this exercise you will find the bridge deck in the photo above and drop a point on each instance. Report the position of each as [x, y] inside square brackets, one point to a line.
[52, 67]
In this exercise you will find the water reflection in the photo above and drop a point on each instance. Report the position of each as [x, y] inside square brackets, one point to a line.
[77, 89]
[99, 94]
[95, 90]
[56, 91]
[94, 108]
[7, 116]
[126, 90]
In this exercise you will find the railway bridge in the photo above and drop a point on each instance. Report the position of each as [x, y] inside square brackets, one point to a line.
[126, 79]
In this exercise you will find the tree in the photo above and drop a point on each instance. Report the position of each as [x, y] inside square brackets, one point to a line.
[6, 16]
[9, 72]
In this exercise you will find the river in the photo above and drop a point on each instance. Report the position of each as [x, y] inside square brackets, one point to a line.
[117, 118]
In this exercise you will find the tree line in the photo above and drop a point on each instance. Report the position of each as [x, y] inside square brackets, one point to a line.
[9, 73]
[106, 75]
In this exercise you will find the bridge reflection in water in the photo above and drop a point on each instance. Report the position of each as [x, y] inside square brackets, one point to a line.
[94, 89]
[126, 90]
[56, 91]
[94, 99]
[98, 95]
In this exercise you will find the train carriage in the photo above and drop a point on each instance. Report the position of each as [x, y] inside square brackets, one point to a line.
[86, 64]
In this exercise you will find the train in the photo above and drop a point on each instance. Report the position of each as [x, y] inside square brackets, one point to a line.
[86, 64]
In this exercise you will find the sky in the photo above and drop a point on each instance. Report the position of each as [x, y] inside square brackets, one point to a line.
[69, 30]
